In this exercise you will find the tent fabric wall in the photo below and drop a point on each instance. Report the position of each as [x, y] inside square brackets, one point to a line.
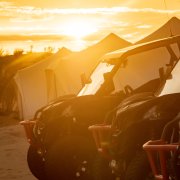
[31, 83]
[51, 85]
[67, 74]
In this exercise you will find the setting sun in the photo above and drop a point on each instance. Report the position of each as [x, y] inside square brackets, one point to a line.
[78, 28]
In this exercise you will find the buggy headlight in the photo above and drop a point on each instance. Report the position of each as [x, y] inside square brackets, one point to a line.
[152, 113]
[67, 112]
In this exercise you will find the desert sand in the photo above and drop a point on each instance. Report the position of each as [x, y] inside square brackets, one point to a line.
[13, 150]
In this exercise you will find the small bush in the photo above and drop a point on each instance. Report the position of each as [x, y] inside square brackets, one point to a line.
[18, 52]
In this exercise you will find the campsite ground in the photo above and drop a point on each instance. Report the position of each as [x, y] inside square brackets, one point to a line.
[13, 149]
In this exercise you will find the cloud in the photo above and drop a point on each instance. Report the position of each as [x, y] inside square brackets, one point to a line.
[110, 11]
[9, 8]
[29, 19]
[91, 11]
[5, 4]
[31, 37]
[144, 26]
[120, 20]
[29, 14]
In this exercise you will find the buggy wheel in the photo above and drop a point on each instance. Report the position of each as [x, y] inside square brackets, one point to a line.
[139, 168]
[35, 163]
[70, 158]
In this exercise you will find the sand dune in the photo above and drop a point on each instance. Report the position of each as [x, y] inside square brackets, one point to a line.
[13, 150]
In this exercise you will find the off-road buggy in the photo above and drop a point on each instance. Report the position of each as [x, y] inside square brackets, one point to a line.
[137, 119]
[61, 147]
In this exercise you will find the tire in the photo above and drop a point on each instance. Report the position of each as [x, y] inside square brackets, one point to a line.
[35, 163]
[101, 169]
[70, 158]
[139, 168]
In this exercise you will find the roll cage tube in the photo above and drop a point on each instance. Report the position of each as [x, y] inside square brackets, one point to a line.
[173, 58]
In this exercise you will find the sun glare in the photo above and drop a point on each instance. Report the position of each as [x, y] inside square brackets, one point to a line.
[79, 29]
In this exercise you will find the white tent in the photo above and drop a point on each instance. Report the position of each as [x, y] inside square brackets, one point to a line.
[170, 28]
[31, 83]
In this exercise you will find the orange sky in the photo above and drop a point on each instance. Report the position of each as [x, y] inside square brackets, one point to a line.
[90, 20]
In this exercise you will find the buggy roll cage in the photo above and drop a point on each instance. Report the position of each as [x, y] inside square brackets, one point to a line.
[163, 154]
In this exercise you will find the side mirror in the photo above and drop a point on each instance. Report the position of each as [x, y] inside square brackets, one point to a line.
[161, 73]
[107, 75]
[84, 79]
[165, 74]
[109, 84]
[168, 72]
